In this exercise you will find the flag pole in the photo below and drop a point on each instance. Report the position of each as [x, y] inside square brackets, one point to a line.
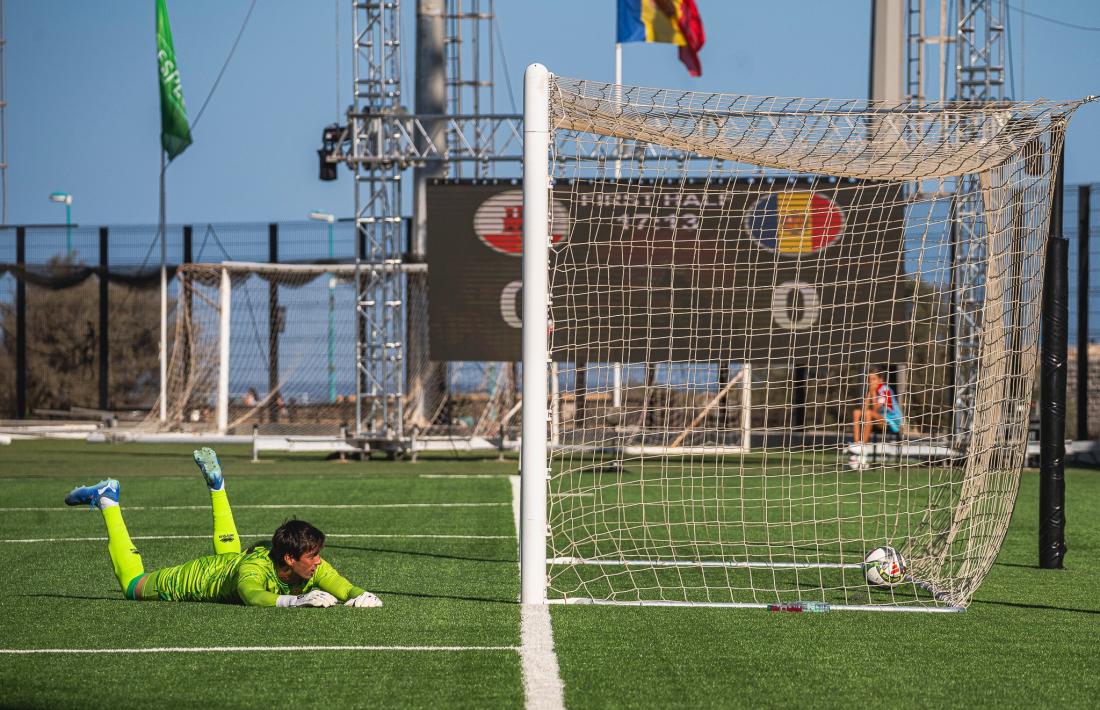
[163, 297]
[618, 62]
[175, 136]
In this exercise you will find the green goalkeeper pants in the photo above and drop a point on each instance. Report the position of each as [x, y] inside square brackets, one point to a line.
[126, 560]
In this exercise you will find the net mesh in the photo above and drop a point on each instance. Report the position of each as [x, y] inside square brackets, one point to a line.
[292, 336]
[292, 360]
[788, 292]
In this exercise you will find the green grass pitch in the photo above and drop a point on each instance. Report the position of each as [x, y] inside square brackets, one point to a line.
[1030, 637]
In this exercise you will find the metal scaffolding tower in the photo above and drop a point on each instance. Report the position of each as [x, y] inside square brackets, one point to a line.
[926, 68]
[979, 77]
[977, 48]
[380, 144]
[470, 81]
[374, 158]
[980, 51]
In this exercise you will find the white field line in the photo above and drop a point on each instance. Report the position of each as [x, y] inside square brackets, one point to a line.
[270, 506]
[402, 536]
[464, 475]
[542, 685]
[248, 649]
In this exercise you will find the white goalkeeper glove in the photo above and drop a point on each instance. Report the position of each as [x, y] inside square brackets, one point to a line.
[316, 598]
[364, 600]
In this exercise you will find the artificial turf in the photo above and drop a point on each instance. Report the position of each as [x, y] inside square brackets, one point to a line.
[1028, 639]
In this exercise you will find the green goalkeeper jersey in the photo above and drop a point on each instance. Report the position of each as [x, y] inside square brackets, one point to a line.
[243, 578]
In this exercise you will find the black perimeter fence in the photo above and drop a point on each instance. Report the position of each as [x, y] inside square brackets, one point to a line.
[80, 305]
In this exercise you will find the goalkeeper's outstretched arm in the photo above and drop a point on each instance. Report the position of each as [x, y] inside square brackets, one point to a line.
[294, 563]
[254, 584]
[328, 579]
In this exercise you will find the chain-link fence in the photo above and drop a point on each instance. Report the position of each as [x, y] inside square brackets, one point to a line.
[79, 306]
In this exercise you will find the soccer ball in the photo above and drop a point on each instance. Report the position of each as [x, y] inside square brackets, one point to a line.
[884, 567]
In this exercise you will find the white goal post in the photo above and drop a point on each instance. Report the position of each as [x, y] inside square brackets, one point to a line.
[688, 241]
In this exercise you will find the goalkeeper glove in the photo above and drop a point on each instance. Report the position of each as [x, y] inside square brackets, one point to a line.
[364, 600]
[315, 598]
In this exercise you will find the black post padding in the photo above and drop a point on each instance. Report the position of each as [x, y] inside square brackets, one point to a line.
[188, 239]
[1052, 397]
[723, 408]
[580, 393]
[20, 325]
[1083, 209]
[104, 323]
[798, 397]
[186, 295]
[273, 324]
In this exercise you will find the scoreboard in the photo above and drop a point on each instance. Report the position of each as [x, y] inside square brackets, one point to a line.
[707, 270]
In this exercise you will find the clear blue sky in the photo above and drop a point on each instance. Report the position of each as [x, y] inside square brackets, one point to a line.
[83, 109]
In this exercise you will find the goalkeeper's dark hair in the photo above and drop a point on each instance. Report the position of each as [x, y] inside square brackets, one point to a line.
[294, 538]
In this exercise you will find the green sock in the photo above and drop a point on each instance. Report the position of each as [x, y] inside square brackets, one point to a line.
[225, 530]
[124, 556]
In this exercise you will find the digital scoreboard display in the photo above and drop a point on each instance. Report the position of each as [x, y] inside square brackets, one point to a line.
[708, 270]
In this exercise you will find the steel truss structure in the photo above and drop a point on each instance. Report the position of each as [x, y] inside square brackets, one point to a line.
[376, 29]
[380, 143]
[977, 36]
[979, 78]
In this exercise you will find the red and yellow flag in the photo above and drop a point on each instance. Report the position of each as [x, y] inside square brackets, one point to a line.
[672, 21]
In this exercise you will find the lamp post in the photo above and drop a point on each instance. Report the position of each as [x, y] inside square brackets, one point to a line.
[330, 219]
[66, 199]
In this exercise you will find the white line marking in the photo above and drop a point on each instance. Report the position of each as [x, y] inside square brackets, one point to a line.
[262, 535]
[542, 685]
[272, 506]
[464, 475]
[514, 482]
[703, 563]
[249, 649]
[755, 605]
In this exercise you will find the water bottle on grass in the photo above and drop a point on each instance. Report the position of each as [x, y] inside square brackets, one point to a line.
[799, 606]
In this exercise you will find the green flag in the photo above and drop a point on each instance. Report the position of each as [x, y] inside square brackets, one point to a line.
[175, 134]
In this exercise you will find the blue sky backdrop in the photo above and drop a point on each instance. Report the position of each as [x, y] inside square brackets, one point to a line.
[82, 112]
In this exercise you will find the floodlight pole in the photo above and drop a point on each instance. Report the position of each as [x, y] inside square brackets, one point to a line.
[66, 199]
[536, 242]
[617, 368]
[69, 226]
[331, 309]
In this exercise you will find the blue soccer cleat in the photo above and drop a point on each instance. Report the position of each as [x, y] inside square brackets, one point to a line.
[211, 469]
[91, 494]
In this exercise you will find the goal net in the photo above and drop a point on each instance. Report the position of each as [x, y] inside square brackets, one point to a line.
[828, 315]
[271, 348]
[265, 346]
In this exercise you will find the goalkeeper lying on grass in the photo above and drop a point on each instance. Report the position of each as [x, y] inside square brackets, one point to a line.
[291, 573]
